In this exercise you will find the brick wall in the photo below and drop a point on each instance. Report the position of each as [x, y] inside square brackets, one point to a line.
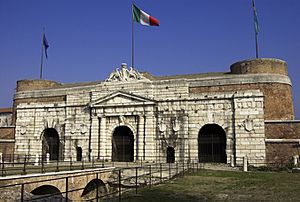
[25, 85]
[260, 66]
[281, 153]
[282, 130]
[7, 143]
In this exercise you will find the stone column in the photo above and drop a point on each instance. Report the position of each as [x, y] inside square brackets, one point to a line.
[140, 136]
[103, 145]
[149, 139]
[94, 136]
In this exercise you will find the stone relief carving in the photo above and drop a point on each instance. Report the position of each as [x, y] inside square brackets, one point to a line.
[175, 125]
[125, 74]
[5, 121]
[247, 124]
[169, 131]
[83, 128]
[23, 129]
[122, 120]
[51, 123]
[73, 128]
[161, 126]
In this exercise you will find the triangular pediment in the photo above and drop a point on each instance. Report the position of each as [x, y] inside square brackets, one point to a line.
[121, 98]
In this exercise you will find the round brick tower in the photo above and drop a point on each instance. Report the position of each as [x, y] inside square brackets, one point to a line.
[25, 85]
[278, 95]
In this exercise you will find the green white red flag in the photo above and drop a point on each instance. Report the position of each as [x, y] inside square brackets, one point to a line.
[142, 17]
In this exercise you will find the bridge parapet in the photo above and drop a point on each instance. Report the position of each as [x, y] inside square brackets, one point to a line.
[63, 181]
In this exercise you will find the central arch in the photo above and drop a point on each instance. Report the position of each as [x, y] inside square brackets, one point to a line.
[212, 144]
[123, 144]
[50, 143]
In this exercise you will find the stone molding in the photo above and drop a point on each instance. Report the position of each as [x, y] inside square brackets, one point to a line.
[282, 121]
[283, 140]
[240, 79]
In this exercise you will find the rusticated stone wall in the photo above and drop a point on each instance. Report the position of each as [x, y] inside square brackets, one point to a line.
[278, 97]
[163, 112]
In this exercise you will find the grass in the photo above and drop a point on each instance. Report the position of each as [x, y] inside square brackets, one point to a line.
[208, 185]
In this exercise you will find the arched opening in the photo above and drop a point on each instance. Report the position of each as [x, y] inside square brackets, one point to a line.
[122, 145]
[90, 190]
[47, 193]
[50, 143]
[78, 153]
[212, 144]
[170, 155]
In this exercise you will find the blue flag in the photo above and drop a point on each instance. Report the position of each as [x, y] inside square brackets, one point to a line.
[45, 44]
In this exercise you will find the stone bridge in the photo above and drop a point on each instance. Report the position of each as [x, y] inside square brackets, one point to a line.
[75, 185]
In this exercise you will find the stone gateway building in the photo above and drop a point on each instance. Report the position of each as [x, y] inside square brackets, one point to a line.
[132, 116]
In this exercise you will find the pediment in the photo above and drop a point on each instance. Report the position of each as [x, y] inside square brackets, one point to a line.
[121, 98]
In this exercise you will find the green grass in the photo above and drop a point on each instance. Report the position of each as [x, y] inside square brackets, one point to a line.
[207, 185]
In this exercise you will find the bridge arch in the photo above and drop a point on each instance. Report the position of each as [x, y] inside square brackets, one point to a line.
[212, 144]
[90, 189]
[47, 192]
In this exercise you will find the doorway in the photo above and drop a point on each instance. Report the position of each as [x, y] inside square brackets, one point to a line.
[78, 153]
[212, 144]
[122, 145]
[170, 155]
[50, 143]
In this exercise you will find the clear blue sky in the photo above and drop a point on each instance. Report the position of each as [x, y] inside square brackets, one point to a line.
[89, 38]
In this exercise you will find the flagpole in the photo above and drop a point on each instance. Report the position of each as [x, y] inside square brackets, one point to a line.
[256, 28]
[42, 55]
[132, 37]
[256, 44]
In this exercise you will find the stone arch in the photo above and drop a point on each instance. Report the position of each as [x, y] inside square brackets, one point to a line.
[114, 126]
[212, 144]
[47, 193]
[122, 144]
[51, 144]
[90, 190]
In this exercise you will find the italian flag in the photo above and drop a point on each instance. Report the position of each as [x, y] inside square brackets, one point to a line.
[142, 17]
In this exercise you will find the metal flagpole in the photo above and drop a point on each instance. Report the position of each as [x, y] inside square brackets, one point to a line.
[132, 37]
[42, 55]
[256, 28]
[256, 43]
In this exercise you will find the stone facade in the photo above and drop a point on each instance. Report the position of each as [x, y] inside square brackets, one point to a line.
[161, 112]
